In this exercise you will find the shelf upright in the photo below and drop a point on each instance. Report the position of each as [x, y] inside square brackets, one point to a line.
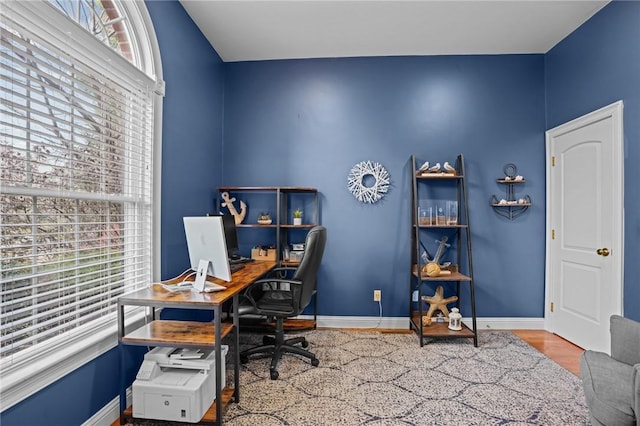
[424, 229]
[283, 197]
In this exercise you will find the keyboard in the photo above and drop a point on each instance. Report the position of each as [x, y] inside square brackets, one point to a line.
[209, 287]
[236, 266]
[239, 260]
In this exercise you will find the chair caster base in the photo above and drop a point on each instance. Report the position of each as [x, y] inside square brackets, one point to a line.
[315, 362]
[274, 374]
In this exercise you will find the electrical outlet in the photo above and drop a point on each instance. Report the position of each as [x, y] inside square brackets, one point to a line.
[377, 295]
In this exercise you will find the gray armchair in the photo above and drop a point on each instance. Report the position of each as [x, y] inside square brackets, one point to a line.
[612, 383]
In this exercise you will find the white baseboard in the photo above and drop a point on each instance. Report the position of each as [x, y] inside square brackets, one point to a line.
[110, 412]
[507, 323]
[359, 322]
[403, 322]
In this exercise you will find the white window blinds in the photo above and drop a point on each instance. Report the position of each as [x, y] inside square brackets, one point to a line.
[75, 190]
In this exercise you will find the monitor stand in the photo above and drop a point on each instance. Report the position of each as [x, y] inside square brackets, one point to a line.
[201, 275]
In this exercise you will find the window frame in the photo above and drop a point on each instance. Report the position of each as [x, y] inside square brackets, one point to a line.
[28, 376]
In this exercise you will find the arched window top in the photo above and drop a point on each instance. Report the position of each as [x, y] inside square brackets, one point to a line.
[121, 25]
[103, 19]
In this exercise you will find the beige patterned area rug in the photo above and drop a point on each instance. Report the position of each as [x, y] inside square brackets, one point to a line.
[372, 378]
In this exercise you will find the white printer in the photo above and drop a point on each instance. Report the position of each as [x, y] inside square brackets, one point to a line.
[176, 384]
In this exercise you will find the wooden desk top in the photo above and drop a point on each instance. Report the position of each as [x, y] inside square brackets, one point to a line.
[156, 295]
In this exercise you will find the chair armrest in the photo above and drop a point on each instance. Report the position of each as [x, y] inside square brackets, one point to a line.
[279, 270]
[625, 340]
[257, 290]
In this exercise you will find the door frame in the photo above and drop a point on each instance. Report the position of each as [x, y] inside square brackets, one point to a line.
[615, 111]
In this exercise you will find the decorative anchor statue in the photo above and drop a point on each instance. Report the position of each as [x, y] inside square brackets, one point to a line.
[228, 203]
[433, 267]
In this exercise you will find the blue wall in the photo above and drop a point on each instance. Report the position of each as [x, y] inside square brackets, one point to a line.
[79, 395]
[192, 127]
[191, 143]
[597, 65]
[307, 122]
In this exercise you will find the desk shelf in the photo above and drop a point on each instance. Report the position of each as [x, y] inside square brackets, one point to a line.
[183, 334]
[210, 417]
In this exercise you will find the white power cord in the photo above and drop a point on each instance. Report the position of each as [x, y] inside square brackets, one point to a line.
[379, 318]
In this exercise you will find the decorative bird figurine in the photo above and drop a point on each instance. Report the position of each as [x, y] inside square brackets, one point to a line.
[448, 167]
[434, 168]
[424, 166]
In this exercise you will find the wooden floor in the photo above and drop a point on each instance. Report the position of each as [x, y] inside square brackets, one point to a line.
[561, 351]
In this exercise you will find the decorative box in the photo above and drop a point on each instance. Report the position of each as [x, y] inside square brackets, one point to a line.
[258, 253]
[296, 255]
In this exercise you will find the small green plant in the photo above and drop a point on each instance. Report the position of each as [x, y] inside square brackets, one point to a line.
[297, 213]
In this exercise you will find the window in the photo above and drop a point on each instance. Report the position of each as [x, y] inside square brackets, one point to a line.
[77, 124]
[103, 20]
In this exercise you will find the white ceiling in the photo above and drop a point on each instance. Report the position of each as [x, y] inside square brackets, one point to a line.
[244, 30]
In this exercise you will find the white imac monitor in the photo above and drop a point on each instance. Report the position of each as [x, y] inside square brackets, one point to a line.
[206, 242]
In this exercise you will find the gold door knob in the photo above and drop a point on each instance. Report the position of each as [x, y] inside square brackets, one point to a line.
[603, 252]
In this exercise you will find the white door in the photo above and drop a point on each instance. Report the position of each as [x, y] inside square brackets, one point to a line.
[585, 227]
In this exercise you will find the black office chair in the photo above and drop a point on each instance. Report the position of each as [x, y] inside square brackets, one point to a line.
[280, 298]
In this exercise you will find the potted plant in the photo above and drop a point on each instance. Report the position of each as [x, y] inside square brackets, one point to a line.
[297, 217]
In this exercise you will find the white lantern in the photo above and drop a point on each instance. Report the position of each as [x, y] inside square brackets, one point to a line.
[455, 320]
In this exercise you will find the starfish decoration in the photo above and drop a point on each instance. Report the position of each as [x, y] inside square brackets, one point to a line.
[438, 303]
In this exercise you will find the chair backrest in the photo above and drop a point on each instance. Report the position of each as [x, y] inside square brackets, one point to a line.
[307, 271]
